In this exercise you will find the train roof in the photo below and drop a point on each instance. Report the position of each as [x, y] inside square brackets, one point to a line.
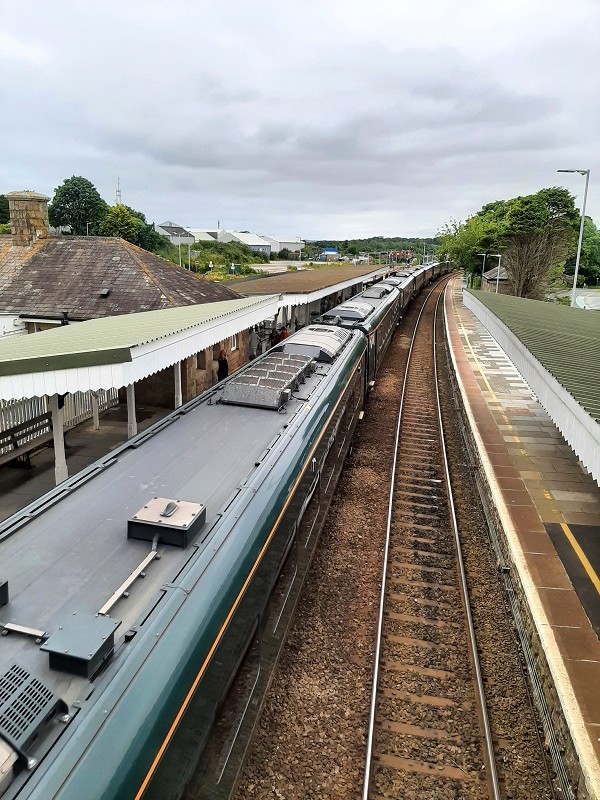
[365, 310]
[68, 556]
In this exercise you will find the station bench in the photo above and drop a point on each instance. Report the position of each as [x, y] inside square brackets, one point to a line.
[24, 438]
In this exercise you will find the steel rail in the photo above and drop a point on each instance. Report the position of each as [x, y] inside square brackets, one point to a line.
[371, 729]
[488, 753]
[490, 762]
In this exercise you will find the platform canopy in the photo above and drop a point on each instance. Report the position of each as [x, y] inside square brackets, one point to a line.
[305, 286]
[114, 352]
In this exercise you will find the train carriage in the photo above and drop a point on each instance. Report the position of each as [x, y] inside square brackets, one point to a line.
[134, 594]
[206, 506]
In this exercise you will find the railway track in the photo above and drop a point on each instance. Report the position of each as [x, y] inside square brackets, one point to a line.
[429, 733]
[311, 739]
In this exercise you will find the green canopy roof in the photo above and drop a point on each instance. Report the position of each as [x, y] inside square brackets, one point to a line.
[565, 340]
[108, 340]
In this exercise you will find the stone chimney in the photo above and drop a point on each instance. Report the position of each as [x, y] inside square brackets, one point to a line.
[28, 217]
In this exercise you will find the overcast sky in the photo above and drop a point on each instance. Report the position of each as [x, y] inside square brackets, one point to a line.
[318, 118]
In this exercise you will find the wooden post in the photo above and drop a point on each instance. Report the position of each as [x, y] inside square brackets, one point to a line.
[131, 420]
[178, 397]
[61, 471]
[95, 412]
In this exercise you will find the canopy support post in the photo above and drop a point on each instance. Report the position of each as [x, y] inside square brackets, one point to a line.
[131, 420]
[178, 396]
[61, 471]
[95, 412]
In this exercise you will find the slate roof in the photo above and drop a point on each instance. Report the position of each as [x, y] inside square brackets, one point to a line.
[68, 273]
[490, 274]
[303, 281]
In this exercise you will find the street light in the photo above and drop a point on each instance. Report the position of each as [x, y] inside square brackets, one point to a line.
[585, 172]
[499, 257]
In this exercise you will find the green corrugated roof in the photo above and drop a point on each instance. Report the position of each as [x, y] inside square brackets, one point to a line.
[108, 340]
[565, 340]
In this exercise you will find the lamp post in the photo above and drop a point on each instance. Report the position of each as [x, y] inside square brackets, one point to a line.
[483, 267]
[499, 257]
[585, 172]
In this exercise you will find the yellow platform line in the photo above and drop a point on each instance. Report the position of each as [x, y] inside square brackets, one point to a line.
[591, 572]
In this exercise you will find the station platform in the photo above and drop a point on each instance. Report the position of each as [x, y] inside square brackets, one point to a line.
[549, 509]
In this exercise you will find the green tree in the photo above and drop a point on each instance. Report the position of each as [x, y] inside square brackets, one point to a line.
[77, 203]
[147, 236]
[119, 221]
[590, 253]
[535, 234]
[4, 214]
[539, 234]
[464, 242]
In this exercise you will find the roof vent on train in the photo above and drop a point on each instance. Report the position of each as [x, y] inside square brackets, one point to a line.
[270, 381]
[377, 292]
[27, 704]
[394, 280]
[351, 310]
[322, 343]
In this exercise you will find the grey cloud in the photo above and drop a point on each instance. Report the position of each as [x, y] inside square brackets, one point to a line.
[329, 118]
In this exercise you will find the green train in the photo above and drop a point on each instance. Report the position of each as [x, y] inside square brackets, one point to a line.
[145, 600]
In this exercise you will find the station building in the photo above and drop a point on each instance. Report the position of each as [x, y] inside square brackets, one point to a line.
[52, 281]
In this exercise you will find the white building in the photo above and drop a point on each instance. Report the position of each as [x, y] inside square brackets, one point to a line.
[174, 233]
[202, 235]
[291, 243]
[256, 243]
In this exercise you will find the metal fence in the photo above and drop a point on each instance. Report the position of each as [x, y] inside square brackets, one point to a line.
[77, 408]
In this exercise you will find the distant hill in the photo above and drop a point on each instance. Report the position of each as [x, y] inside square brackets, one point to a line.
[380, 244]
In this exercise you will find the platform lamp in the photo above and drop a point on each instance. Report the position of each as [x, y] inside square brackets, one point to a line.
[499, 257]
[585, 172]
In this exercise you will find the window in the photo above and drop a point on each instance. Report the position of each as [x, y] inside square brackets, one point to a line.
[201, 360]
[233, 342]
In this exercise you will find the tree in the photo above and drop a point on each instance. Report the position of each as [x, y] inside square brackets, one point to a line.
[119, 221]
[535, 234]
[539, 234]
[464, 242]
[4, 213]
[77, 204]
[147, 236]
[589, 268]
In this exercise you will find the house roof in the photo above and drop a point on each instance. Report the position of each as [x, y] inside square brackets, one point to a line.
[490, 274]
[69, 273]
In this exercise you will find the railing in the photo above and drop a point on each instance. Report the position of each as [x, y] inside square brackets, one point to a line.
[77, 408]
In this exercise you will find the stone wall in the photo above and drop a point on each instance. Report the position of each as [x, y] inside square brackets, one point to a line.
[558, 742]
[28, 217]
[198, 373]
